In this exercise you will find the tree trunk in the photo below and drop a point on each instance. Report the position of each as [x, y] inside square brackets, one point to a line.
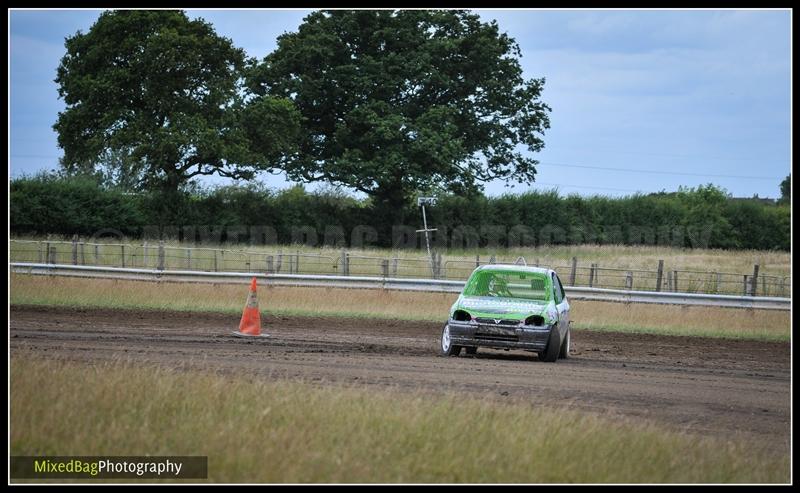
[390, 207]
[168, 203]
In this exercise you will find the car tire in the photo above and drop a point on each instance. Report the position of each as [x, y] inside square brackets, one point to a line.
[550, 354]
[471, 350]
[446, 347]
[564, 353]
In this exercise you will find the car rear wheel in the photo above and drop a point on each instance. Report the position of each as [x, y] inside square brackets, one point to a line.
[564, 353]
[447, 348]
[550, 354]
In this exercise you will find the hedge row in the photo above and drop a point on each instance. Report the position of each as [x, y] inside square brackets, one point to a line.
[700, 217]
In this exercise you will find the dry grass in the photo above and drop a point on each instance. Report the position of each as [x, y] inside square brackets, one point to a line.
[682, 320]
[647, 257]
[775, 263]
[275, 432]
[701, 321]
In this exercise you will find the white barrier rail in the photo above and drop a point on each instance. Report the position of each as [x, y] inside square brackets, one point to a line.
[357, 282]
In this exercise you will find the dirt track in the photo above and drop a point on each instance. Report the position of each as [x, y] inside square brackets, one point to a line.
[710, 386]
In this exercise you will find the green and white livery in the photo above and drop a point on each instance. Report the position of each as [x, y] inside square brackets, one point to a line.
[510, 307]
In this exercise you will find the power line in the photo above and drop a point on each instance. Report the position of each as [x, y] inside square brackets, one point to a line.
[650, 171]
[684, 156]
[562, 165]
[582, 186]
[38, 156]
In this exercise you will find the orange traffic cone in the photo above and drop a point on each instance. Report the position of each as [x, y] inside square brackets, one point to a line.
[250, 325]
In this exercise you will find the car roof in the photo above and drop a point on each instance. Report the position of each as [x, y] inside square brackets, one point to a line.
[516, 268]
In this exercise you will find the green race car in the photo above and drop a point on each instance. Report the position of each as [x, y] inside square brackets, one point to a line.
[510, 307]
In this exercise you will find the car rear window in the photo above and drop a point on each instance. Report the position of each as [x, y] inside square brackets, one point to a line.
[508, 284]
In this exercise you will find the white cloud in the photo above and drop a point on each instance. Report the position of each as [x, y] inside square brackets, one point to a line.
[628, 88]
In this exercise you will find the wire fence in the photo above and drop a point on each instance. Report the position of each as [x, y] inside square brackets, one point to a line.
[285, 261]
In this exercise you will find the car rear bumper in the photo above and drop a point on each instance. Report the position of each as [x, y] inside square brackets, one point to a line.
[492, 336]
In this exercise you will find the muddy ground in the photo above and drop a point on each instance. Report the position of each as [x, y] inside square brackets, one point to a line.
[718, 387]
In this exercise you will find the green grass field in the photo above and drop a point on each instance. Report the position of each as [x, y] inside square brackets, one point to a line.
[284, 431]
[656, 319]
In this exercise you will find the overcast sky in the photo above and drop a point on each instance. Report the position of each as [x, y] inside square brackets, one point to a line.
[681, 97]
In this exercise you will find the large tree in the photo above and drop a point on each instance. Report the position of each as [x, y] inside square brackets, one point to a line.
[156, 99]
[399, 101]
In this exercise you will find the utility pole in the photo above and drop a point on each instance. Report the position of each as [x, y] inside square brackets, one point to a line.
[422, 202]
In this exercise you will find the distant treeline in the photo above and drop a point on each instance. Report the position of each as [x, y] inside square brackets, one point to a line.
[701, 217]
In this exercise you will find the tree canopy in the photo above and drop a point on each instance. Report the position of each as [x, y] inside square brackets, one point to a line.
[786, 190]
[399, 101]
[154, 99]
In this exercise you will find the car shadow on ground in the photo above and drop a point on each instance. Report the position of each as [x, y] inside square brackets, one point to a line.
[502, 355]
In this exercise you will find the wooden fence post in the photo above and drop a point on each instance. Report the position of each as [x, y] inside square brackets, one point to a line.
[477, 261]
[161, 255]
[394, 267]
[659, 274]
[754, 283]
[573, 271]
[75, 250]
[591, 274]
[122, 248]
[269, 264]
[629, 280]
[675, 280]
[189, 258]
[83, 253]
[385, 267]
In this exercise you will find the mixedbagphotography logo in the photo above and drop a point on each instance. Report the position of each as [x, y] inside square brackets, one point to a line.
[97, 467]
